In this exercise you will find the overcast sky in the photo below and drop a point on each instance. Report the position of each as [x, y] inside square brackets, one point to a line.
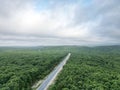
[59, 22]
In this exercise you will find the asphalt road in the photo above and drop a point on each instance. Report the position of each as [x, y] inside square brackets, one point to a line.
[48, 81]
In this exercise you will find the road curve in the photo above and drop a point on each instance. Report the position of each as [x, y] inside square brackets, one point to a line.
[48, 81]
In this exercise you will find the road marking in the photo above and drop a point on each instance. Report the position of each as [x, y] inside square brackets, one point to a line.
[51, 77]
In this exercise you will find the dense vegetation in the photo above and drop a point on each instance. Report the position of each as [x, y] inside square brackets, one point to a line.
[21, 67]
[89, 68]
[95, 68]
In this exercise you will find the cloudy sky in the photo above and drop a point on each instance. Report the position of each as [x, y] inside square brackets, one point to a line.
[59, 22]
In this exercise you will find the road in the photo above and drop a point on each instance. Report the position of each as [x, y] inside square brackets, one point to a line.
[51, 77]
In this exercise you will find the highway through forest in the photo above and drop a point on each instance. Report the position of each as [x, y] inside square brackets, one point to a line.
[51, 77]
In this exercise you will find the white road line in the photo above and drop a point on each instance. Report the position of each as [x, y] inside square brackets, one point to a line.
[49, 80]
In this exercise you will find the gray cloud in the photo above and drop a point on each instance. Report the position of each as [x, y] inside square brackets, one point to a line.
[110, 23]
[8, 7]
[94, 22]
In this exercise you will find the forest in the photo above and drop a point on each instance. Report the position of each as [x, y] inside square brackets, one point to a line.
[21, 67]
[94, 68]
[89, 68]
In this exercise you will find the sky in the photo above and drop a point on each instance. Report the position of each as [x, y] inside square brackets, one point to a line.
[59, 22]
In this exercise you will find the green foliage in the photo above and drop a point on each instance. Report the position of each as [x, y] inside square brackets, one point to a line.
[95, 68]
[21, 67]
[89, 68]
